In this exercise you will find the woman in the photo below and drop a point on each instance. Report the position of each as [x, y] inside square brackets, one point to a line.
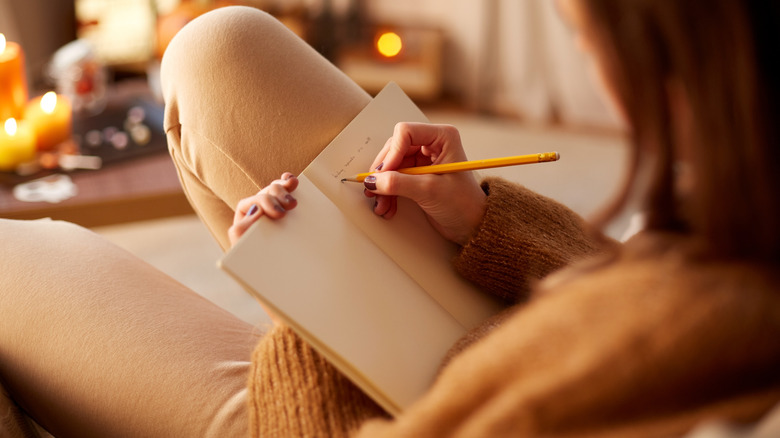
[681, 324]
[677, 327]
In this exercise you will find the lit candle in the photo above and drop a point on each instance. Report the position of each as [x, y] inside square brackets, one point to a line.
[13, 83]
[389, 44]
[17, 144]
[50, 116]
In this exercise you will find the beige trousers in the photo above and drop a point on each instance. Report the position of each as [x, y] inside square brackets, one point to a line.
[94, 342]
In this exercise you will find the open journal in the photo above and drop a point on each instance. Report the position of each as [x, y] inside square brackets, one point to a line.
[378, 298]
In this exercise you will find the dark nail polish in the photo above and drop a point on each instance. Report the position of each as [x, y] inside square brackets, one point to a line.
[370, 182]
[289, 177]
[381, 165]
[289, 199]
[278, 207]
[252, 210]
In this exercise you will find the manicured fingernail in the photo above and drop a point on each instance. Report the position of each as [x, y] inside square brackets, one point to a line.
[278, 207]
[381, 165]
[370, 182]
[289, 198]
[289, 177]
[252, 210]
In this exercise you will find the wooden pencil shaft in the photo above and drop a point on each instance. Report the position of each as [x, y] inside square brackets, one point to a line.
[468, 165]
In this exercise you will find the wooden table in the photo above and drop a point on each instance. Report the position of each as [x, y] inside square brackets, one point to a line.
[138, 183]
[138, 189]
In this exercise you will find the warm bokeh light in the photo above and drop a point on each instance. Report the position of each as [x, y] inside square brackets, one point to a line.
[49, 102]
[10, 126]
[389, 44]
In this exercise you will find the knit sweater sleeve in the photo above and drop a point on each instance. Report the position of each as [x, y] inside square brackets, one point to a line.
[294, 391]
[523, 237]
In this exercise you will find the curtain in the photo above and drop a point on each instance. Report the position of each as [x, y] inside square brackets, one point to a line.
[535, 71]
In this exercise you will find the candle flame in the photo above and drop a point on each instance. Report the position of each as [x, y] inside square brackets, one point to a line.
[48, 102]
[389, 44]
[2, 43]
[10, 126]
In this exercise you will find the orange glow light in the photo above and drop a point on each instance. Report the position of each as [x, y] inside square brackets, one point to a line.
[389, 44]
[49, 102]
[11, 126]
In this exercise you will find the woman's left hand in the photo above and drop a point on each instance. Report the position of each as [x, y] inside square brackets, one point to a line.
[273, 201]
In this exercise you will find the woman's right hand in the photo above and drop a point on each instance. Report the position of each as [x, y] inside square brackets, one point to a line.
[454, 203]
[273, 201]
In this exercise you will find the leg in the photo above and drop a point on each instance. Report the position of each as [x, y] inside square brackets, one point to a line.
[246, 100]
[94, 342]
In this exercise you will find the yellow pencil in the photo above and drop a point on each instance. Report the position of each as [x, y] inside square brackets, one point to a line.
[469, 165]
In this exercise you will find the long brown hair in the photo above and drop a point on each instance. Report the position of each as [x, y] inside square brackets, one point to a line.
[723, 55]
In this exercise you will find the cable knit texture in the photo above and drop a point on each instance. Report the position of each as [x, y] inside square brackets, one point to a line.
[648, 345]
[295, 392]
[523, 238]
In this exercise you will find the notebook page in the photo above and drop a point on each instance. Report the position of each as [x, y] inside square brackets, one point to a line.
[345, 297]
[408, 238]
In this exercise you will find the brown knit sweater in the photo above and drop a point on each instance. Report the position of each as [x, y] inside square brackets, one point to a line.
[648, 344]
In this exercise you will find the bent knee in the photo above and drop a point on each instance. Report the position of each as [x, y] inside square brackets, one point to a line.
[221, 58]
[214, 38]
[223, 28]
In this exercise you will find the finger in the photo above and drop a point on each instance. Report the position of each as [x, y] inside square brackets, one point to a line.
[428, 139]
[415, 144]
[427, 134]
[289, 181]
[382, 205]
[271, 206]
[414, 161]
[243, 206]
[239, 227]
[283, 197]
[393, 208]
[414, 187]
[399, 146]
[400, 149]
[379, 160]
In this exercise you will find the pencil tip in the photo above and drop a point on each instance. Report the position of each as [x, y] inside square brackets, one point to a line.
[343, 179]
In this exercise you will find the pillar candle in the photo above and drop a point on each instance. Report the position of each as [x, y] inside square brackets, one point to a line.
[50, 117]
[13, 82]
[17, 144]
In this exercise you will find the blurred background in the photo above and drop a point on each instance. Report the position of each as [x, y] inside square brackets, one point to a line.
[506, 57]
[506, 72]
